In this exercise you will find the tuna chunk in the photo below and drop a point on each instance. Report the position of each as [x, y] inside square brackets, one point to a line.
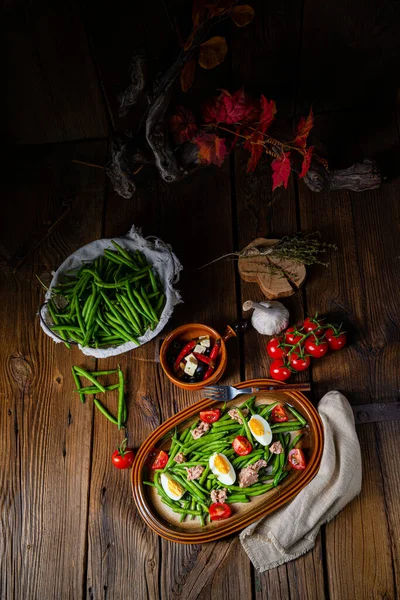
[233, 413]
[276, 448]
[194, 472]
[218, 495]
[249, 475]
[200, 430]
[180, 458]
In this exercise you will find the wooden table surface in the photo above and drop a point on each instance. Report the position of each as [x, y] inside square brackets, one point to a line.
[69, 527]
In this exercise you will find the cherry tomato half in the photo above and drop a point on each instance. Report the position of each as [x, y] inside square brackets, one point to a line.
[297, 459]
[241, 445]
[314, 325]
[315, 347]
[279, 414]
[336, 340]
[123, 457]
[219, 511]
[299, 362]
[279, 371]
[275, 348]
[293, 336]
[160, 460]
[211, 415]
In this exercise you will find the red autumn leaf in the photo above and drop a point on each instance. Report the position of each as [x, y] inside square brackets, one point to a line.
[212, 149]
[187, 75]
[303, 129]
[268, 112]
[183, 125]
[255, 149]
[228, 108]
[281, 168]
[306, 162]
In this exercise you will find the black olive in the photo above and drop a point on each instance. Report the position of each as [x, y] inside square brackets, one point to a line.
[170, 359]
[176, 345]
[201, 369]
[192, 380]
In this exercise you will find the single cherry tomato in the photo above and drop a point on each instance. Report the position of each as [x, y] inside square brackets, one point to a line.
[299, 362]
[241, 445]
[279, 371]
[297, 459]
[275, 348]
[313, 324]
[279, 414]
[316, 347]
[160, 460]
[123, 457]
[293, 336]
[219, 511]
[211, 415]
[336, 339]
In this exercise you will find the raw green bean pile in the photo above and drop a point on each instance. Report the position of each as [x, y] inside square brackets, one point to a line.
[97, 387]
[113, 300]
[196, 500]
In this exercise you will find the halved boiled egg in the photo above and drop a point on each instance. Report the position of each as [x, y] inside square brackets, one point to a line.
[171, 487]
[260, 430]
[222, 468]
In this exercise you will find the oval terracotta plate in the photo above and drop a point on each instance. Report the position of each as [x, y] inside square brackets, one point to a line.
[166, 523]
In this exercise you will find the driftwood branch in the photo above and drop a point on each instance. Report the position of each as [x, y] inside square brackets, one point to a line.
[154, 146]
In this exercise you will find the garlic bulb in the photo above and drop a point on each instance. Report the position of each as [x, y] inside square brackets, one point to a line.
[268, 318]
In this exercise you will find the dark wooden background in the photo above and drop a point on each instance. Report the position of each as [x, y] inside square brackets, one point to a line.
[69, 528]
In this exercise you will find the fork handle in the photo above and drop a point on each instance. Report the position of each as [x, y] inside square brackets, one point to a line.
[293, 387]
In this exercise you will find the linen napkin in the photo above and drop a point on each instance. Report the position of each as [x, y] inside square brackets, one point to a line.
[291, 531]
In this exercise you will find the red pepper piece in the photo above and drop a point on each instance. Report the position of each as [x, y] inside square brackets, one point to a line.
[213, 355]
[208, 373]
[204, 359]
[184, 352]
[215, 350]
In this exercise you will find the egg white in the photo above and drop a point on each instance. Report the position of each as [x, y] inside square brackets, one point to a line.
[164, 480]
[266, 438]
[225, 478]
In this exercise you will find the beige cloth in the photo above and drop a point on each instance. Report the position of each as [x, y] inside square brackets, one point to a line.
[291, 531]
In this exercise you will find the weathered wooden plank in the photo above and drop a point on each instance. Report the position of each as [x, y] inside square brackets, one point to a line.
[52, 92]
[348, 55]
[386, 437]
[45, 431]
[350, 290]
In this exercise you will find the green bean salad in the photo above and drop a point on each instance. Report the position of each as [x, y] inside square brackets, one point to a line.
[228, 456]
[113, 300]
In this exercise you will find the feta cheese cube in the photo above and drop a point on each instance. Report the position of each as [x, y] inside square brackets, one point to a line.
[191, 365]
[205, 341]
[199, 349]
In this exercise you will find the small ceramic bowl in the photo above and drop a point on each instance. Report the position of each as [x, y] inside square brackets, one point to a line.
[186, 333]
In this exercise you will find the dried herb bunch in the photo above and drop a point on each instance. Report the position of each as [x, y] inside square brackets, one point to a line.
[298, 248]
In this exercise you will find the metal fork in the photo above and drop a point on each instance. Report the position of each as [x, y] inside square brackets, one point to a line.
[228, 392]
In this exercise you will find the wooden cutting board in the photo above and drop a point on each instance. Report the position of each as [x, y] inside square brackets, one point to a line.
[273, 285]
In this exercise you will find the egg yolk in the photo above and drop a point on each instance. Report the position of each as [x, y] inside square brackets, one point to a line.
[256, 427]
[174, 487]
[221, 464]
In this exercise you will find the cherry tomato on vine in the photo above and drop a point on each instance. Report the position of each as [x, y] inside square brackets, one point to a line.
[219, 511]
[279, 414]
[241, 445]
[293, 336]
[123, 457]
[299, 362]
[297, 459]
[314, 325]
[336, 339]
[316, 347]
[160, 460]
[211, 415]
[275, 349]
[279, 370]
